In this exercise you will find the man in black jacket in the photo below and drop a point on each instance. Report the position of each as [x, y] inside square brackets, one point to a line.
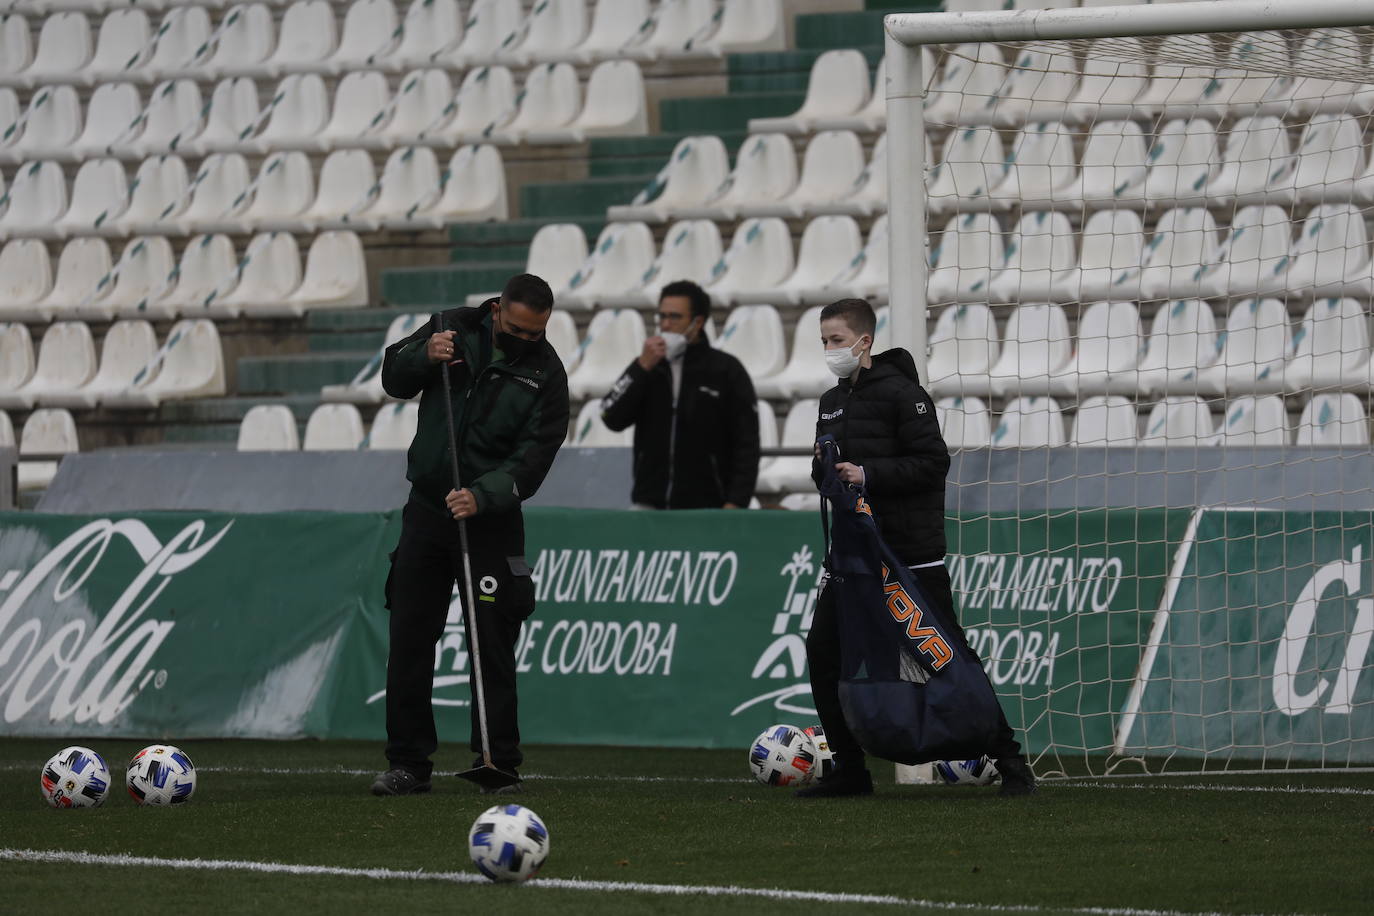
[885, 424]
[510, 406]
[693, 409]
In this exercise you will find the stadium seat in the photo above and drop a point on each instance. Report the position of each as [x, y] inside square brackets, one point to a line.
[1029, 423]
[1037, 87]
[208, 270]
[691, 248]
[491, 24]
[1100, 421]
[246, 36]
[1253, 257]
[1184, 245]
[335, 278]
[295, 118]
[745, 25]
[230, 119]
[100, 195]
[268, 428]
[421, 103]
[185, 29]
[1183, 160]
[549, 104]
[334, 428]
[127, 348]
[964, 422]
[1104, 360]
[1331, 255]
[753, 335]
[1245, 86]
[393, 427]
[219, 195]
[866, 275]
[366, 386]
[613, 338]
[1182, 343]
[963, 261]
[697, 167]
[765, 172]
[768, 432]
[37, 198]
[370, 31]
[971, 164]
[16, 355]
[474, 189]
[805, 374]
[282, 190]
[793, 472]
[561, 333]
[868, 193]
[25, 280]
[1252, 421]
[1035, 345]
[159, 193]
[1113, 168]
[1257, 157]
[10, 114]
[51, 124]
[308, 35]
[112, 117]
[963, 345]
[7, 439]
[1254, 348]
[16, 46]
[1333, 419]
[971, 76]
[590, 431]
[1040, 247]
[623, 252]
[1184, 83]
[51, 431]
[675, 24]
[1316, 94]
[362, 109]
[121, 49]
[268, 274]
[759, 259]
[142, 284]
[556, 252]
[345, 188]
[1328, 161]
[615, 24]
[838, 88]
[82, 279]
[615, 105]
[408, 186]
[1114, 76]
[429, 30]
[1330, 347]
[1041, 168]
[551, 28]
[189, 365]
[66, 361]
[63, 50]
[827, 251]
[174, 115]
[485, 101]
[1113, 247]
[873, 114]
[1179, 422]
[831, 167]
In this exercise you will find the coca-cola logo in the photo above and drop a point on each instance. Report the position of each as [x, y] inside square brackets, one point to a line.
[92, 666]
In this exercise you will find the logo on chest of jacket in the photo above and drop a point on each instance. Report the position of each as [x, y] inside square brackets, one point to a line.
[833, 416]
[527, 381]
[711, 391]
[921, 407]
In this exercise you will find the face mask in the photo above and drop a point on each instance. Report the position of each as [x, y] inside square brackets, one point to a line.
[842, 361]
[514, 347]
[677, 343]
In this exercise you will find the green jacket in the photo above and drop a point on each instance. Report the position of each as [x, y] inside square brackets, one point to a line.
[510, 417]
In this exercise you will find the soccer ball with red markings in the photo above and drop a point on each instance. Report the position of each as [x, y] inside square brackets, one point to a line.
[825, 757]
[161, 775]
[75, 777]
[980, 772]
[783, 755]
[508, 843]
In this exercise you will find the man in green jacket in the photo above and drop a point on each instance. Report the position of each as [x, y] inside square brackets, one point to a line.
[509, 395]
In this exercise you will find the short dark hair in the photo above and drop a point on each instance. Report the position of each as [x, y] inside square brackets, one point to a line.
[529, 291]
[701, 302]
[857, 313]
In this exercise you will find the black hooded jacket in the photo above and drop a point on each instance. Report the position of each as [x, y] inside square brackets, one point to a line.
[885, 423]
[706, 453]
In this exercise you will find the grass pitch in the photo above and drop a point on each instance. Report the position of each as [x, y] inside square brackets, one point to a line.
[623, 818]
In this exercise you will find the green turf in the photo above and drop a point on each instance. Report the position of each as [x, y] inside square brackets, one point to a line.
[1160, 847]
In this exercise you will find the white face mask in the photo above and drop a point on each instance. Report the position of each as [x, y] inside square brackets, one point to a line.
[842, 361]
[676, 342]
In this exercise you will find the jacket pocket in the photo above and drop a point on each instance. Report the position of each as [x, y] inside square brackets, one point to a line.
[519, 604]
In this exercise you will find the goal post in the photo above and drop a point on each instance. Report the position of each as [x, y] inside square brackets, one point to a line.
[1132, 255]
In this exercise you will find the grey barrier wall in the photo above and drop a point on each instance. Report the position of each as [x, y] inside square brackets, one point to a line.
[9, 462]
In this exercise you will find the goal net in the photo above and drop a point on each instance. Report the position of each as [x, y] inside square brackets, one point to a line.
[1147, 312]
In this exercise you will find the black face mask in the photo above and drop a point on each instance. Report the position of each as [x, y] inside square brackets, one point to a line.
[515, 348]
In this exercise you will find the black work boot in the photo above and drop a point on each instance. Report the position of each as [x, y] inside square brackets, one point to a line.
[1017, 778]
[850, 780]
[399, 781]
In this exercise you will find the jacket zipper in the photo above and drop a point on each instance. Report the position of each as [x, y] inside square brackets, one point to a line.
[672, 449]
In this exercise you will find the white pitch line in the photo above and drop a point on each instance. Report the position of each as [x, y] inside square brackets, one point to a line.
[567, 884]
[1304, 790]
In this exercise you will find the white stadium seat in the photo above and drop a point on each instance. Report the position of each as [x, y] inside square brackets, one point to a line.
[345, 188]
[691, 248]
[753, 335]
[184, 30]
[46, 432]
[1251, 421]
[831, 166]
[160, 192]
[968, 82]
[82, 278]
[283, 189]
[174, 115]
[615, 24]
[295, 117]
[805, 374]
[556, 253]
[964, 422]
[128, 347]
[218, 195]
[16, 46]
[867, 194]
[1253, 258]
[7, 439]
[1181, 422]
[1108, 348]
[422, 99]
[1113, 168]
[230, 119]
[1040, 248]
[759, 259]
[208, 269]
[16, 355]
[549, 104]
[393, 426]
[1038, 86]
[142, 286]
[268, 273]
[623, 252]
[612, 339]
[1313, 94]
[430, 28]
[552, 28]
[1182, 343]
[66, 361]
[1331, 255]
[590, 431]
[765, 172]
[768, 432]
[1245, 88]
[490, 24]
[1184, 83]
[1330, 347]
[122, 48]
[1184, 244]
[37, 199]
[1114, 76]
[307, 37]
[485, 101]
[1104, 421]
[1333, 419]
[335, 277]
[100, 195]
[793, 472]
[695, 169]
[676, 22]
[366, 386]
[838, 88]
[828, 247]
[971, 164]
[362, 107]
[409, 185]
[873, 115]
[268, 428]
[1035, 345]
[1183, 161]
[615, 104]
[866, 275]
[1257, 157]
[25, 280]
[963, 261]
[333, 427]
[1109, 263]
[111, 115]
[52, 123]
[63, 50]
[1034, 422]
[370, 31]
[246, 37]
[963, 345]
[1041, 168]
[745, 25]
[1254, 347]
[190, 364]
[1327, 163]
[561, 333]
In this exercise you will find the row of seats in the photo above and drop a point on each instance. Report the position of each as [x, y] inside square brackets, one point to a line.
[246, 41]
[365, 113]
[413, 192]
[133, 371]
[976, 83]
[47, 432]
[331, 427]
[209, 281]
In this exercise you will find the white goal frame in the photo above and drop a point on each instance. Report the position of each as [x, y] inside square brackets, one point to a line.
[907, 33]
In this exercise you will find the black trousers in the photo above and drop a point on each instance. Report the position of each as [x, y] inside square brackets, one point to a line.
[424, 567]
[823, 660]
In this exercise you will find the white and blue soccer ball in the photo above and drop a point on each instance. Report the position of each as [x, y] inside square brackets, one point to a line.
[508, 843]
[825, 757]
[979, 772]
[783, 755]
[75, 777]
[161, 775]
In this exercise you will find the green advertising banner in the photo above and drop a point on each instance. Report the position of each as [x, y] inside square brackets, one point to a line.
[1263, 649]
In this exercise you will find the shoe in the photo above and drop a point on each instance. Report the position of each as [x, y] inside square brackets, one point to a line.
[512, 789]
[398, 781]
[1017, 778]
[839, 785]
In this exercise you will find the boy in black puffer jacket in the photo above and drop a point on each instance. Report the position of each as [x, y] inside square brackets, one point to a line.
[890, 440]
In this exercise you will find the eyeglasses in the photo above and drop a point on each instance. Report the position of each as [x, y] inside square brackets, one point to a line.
[673, 316]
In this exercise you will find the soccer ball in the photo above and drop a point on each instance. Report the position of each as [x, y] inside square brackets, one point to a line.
[825, 757]
[75, 777]
[980, 772]
[783, 755]
[161, 775]
[508, 843]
